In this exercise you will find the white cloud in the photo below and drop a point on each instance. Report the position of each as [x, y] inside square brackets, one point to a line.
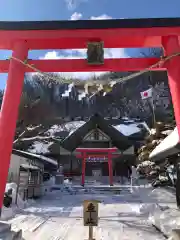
[81, 53]
[72, 4]
[65, 54]
[71, 54]
[76, 16]
[103, 16]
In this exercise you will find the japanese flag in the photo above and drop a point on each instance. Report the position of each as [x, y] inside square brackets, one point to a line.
[146, 94]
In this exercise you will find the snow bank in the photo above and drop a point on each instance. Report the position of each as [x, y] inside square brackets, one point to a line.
[146, 208]
[20, 203]
[17, 202]
[169, 143]
[163, 218]
[47, 185]
[166, 220]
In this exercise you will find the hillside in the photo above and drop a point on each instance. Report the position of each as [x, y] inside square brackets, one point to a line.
[44, 104]
[62, 100]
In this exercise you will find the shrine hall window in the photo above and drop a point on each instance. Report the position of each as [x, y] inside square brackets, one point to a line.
[96, 135]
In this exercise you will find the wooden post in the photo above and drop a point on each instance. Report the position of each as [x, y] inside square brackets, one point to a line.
[110, 168]
[178, 185]
[171, 46]
[91, 233]
[18, 184]
[83, 168]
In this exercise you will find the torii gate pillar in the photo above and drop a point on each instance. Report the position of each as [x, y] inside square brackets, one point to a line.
[171, 45]
[9, 111]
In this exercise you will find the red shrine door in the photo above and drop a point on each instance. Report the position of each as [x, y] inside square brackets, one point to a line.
[87, 153]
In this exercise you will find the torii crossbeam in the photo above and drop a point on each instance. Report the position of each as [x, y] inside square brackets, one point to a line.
[124, 33]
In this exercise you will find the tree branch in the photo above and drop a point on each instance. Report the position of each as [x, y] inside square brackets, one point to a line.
[28, 129]
[35, 138]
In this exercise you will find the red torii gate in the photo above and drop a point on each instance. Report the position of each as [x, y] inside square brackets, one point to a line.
[89, 152]
[124, 33]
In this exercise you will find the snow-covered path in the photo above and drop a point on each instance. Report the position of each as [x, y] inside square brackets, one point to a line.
[58, 216]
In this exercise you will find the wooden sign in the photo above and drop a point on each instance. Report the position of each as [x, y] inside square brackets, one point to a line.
[95, 53]
[90, 212]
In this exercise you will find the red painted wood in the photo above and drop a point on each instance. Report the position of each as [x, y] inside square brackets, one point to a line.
[97, 155]
[79, 156]
[83, 169]
[7, 38]
[171, 45]
[80, 43]
[9, 111]
[92, 150]
[110, 169]
[68, 39]
[80, 65]
[100, 155]
[109, 42]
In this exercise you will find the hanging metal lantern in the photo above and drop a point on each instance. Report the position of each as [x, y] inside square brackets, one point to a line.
[95, 53]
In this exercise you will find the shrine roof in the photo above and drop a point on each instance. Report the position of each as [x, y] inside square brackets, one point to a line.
[30, 155]
[118, 139]
[90, 24]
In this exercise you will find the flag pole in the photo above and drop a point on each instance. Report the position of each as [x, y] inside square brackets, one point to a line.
[152, 103]
[153, 111]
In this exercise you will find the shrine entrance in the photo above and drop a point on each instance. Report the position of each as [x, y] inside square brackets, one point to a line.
[96, 155]
[94, 36]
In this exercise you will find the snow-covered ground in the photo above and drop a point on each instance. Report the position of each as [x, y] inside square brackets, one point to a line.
[126, 216]
[17, 202]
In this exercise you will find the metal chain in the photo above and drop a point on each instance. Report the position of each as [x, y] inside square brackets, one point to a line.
[162, 60]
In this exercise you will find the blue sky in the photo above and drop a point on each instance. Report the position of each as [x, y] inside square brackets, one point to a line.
[22, 10]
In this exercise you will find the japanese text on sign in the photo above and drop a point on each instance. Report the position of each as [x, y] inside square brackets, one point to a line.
[90, 213]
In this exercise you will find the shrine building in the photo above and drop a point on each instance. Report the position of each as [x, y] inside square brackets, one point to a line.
[98, 150]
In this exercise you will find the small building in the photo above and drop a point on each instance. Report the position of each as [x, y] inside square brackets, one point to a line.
[26, 170]
[96, 149]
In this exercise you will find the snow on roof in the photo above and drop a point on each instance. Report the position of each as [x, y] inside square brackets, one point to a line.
[46, 159]
[69, 127]
[29, 166]
[40, 147]
[167, 145]
[73, 126]
[127, 130]
[54, 129]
